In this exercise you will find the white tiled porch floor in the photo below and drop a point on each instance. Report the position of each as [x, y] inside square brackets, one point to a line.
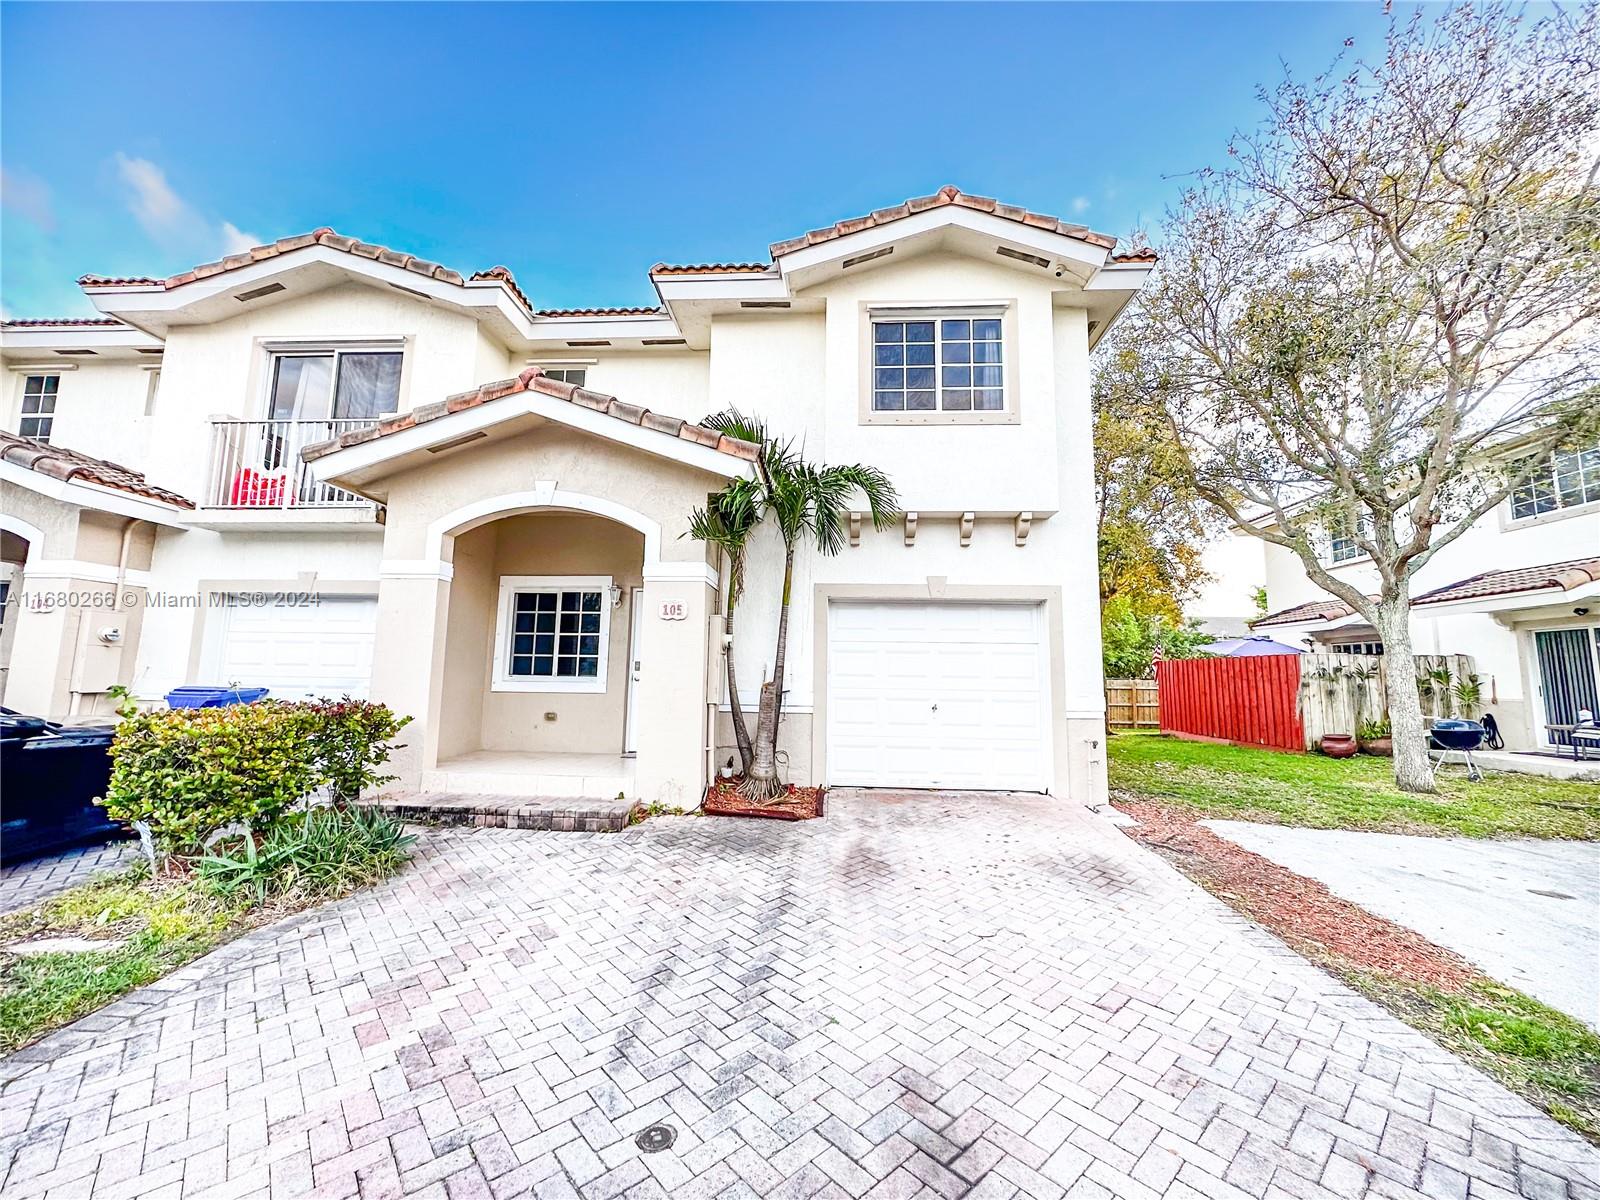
[513, 773]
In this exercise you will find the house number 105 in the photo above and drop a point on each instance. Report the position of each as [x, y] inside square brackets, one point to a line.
[674, 610]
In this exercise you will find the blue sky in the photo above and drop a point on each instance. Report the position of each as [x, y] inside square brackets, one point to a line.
[579, 144]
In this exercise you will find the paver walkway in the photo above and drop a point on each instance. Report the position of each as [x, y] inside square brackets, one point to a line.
[28, 883]
[1527, 912]
[933, 996]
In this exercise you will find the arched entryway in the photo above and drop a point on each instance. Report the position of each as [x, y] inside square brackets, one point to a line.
[540, 655]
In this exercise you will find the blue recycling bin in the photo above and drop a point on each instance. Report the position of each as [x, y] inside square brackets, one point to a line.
[204, 696]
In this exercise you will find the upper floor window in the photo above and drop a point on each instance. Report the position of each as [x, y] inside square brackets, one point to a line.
[344, 385]
[948, 363]
[1342, 544]
[39, 406]
[573, 375]
[1565, 479]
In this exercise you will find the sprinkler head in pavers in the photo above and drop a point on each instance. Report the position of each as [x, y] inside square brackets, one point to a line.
[653, 1138]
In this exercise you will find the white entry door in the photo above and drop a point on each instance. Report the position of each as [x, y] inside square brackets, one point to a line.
[938, 695]
[299, 651]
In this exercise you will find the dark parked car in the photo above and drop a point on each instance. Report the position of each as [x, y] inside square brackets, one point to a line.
[49, 777]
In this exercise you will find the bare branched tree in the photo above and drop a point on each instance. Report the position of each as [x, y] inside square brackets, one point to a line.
[1382, 317]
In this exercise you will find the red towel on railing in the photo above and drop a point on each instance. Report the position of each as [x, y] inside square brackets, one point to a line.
[259, 489]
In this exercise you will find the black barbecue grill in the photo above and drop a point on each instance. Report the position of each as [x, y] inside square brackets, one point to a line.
[1457, 739]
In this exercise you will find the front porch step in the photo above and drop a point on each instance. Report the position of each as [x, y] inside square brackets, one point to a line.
[476, 781]
[565, 814]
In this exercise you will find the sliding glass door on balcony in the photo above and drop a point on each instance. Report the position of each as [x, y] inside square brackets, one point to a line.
[315, 395]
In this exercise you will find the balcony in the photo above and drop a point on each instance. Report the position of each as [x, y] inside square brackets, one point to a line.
[258, 478]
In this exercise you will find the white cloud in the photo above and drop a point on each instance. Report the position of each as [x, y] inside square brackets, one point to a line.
[173, 221]
[28, 196]
[236, 240]
[1080, 204]
[158, 208]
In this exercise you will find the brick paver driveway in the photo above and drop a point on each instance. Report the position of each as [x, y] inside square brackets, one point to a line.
[935, 996]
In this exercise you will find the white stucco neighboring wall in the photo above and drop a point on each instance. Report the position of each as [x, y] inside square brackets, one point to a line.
[100, 405]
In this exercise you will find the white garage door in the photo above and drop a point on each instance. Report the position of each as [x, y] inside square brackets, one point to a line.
[937, 696]
[299, 650]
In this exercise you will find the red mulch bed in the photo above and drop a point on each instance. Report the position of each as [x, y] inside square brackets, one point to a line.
[1301, 911]
[792, 804]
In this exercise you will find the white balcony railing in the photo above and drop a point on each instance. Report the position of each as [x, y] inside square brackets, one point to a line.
[256, 465]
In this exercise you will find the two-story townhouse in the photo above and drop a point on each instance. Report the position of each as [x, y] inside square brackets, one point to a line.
[380, 477]
[1519, 591]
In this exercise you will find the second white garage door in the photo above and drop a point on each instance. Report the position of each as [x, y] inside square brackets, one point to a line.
[937, 695]
[299, 651]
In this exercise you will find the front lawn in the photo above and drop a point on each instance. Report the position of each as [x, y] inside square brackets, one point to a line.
[1278, 788]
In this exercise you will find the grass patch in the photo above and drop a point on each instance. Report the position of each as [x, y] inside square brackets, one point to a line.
[1540, 1053]
[150, 927]
[1353, 793]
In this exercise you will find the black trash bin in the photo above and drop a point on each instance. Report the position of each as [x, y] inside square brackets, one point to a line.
[49, 777]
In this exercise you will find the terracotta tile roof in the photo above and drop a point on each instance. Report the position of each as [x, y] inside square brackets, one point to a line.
[68, 465]
[710, 268]
[317, 237]
[535, 380]
[39, 322]
[1312, 610]
[602, 312]
[1552, 576]
[505, 276]
[946, 195]
[1145, 255]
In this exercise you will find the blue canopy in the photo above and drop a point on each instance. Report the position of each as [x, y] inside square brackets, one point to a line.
[1249, 647]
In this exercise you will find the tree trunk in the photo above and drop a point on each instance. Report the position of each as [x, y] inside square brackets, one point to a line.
[741, 731]
[761, 781]
[1412, 770]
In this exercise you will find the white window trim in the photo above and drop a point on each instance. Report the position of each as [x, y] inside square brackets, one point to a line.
[501, 678]
[316, 347]
[954, 310]
[55, 403]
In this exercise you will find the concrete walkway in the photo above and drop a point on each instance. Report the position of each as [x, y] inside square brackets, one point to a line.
[1527, 912]
[915, 998]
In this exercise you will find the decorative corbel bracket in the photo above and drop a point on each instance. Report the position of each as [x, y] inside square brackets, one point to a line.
[1023, 525]
[911, 529]
[855, 529]
[967, 521]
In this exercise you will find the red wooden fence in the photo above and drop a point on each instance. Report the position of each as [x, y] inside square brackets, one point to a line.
[1251, 701]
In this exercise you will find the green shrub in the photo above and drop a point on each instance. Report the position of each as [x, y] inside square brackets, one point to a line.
[352, 743]
[323, 852]
[188, 771]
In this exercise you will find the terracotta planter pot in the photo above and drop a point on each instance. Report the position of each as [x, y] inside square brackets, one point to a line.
[1339, 745]
[1383, 747]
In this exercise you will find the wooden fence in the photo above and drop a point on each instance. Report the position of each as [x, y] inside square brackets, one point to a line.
[1251, 701]
[1289, 701]
[1340, 692]
[1132, 704]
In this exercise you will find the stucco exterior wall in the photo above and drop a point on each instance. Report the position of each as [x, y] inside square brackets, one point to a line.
[223, 369]
[100, 406]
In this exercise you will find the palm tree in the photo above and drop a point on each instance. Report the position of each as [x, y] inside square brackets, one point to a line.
[806, 501]
[727, 521]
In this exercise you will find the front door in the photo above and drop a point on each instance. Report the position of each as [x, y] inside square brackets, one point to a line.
[1569, 676]
[630, 737]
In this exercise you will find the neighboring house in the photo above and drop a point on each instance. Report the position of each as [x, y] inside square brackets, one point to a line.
[1519, 591]
[391, 480]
